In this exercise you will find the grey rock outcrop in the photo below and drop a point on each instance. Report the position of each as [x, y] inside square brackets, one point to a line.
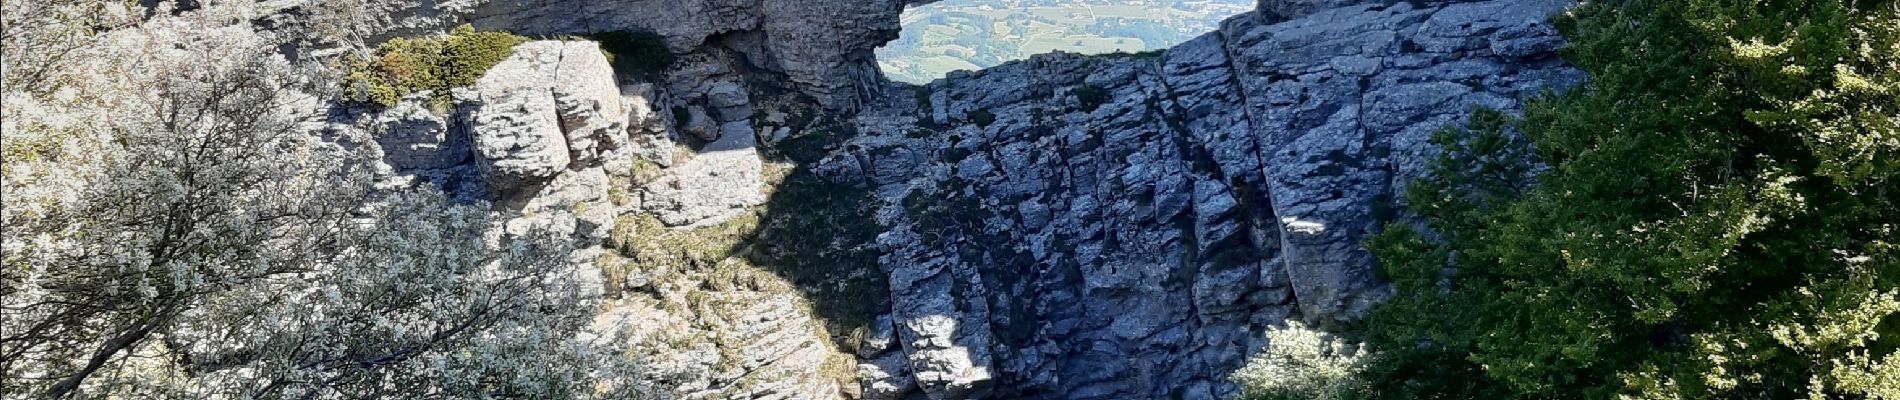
[647, 132]
[823, 48]
[1065, 227]
[551, 137]
[1290, 9]
[415, 137]
[753, 345]
[516, 124]
[1124, 227]
[593, 118]
[722, 180]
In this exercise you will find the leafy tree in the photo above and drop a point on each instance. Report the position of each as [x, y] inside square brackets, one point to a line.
[42, 36]
[1090, 97]
[1717, 219]
[174, 233]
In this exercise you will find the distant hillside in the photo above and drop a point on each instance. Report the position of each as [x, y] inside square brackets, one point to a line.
[973, 34]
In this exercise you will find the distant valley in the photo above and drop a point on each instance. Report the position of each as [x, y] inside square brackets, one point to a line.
[974, 34]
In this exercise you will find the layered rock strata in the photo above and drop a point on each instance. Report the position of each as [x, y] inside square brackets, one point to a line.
[820, 48]
[1065, 227]
[1124, 226]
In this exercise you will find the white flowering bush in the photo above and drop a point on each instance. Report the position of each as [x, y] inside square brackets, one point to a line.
[174, 230]
[1303, 364]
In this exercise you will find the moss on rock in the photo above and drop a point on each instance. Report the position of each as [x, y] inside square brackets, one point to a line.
[404, 66]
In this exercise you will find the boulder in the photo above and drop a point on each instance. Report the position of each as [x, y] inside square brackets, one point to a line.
[549, 104]
[513, 122]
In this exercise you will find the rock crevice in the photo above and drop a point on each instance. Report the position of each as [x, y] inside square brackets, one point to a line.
[1136, 248]
[1064, 227]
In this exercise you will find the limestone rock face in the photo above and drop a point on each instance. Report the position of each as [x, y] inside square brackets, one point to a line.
[824, 48]
[1289, 9]
[536, 111]
[560, 145]
[1134, 245]
[593, 118]
[720, 181]
[417, 138]
[749, 346]
[648, 136]
[1064, 227]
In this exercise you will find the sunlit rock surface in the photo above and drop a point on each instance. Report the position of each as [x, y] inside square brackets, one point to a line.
[1065, 227]
[1123, 227]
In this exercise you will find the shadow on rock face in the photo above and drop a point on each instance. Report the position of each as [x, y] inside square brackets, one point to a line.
[819, 235]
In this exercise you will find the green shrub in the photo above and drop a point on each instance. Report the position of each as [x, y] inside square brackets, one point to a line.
[1091, 97]
[1705, 229]
[982, 118]
[634, 53]
[403, 66]
[922, 94]
[1146, 54]
[681, 115]
[1303, 364]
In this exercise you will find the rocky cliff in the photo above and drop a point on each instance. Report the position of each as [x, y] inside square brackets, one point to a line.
[771, 219]
[1124, 226]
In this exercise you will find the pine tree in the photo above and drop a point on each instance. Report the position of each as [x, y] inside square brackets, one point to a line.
[1718, 218]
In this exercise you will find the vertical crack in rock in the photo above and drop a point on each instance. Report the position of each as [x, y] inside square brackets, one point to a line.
[1209, 193]
[1064, 227]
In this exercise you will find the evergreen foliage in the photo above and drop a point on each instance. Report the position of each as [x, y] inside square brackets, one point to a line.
[404, 66]
[1090, 97]
[1717, 220]
[635, 53]
[982, 118]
